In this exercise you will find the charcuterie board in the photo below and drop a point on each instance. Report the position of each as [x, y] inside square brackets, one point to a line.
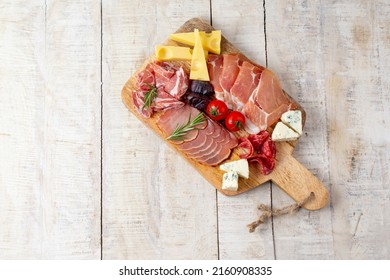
[289, 174]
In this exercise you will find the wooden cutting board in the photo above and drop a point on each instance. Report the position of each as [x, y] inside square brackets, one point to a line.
[289, 174]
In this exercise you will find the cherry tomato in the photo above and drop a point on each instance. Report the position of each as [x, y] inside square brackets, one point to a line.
[234, 121]
[217, 110]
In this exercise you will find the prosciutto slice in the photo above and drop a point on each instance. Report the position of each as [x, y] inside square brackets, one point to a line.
[209, 144]
[250, 89]
[171, 84]
[215, 65]
[229, 73]
[246, 82]
[174, 81]
[268, 101]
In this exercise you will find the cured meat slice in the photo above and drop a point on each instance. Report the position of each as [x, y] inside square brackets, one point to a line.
[247, 80]
[213, 161]
[139, 101]
[258, 140]
[259, 148]
[250, 89]
[219, 151]
[230, 70]
[231, 67]
[173, 80]
[165, 101]
[171, 84]
[170, 119]
[209, 144]
[213, 140]
[163, 73]
[178, 84]
[146, 78]
[245, 148]
[266, 164]
[215, 64]
[268, 101]
[200, 143]
[210, 153]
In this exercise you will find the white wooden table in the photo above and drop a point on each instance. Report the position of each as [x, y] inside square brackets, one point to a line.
[82, 178]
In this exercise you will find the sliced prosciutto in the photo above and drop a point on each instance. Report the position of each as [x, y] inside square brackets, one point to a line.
[215, 64]
[250, 89]
[229, 73]
[246, 82]
[172, 80]
[169, 84]
[165, 101]
[210, 143]
[268, 102]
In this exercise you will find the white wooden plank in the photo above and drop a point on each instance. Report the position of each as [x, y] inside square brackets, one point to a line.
[49, 130]
[357, 57]
[295, 41]
[155, 206]
[242, 23]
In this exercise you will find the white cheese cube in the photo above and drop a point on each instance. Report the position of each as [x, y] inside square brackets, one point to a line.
[294, 120]
[230, 181]
[283, 133]
[240, 166]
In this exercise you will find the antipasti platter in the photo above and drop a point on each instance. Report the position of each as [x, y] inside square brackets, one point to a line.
[224, 114]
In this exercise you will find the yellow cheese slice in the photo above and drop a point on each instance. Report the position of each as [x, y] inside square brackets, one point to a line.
[199, 69]
[170, 53]
[211, 41]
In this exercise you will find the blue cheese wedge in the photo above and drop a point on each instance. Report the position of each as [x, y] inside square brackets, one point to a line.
[240, 166]
[230, 181]
[283, 133]
[293, 119]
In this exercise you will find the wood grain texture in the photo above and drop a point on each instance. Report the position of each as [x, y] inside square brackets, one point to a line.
[154, 205]
[298, 63]
[332, 57]
[49, 126]
[357, 84]
[335, 46]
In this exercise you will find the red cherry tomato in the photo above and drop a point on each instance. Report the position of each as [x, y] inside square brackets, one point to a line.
[235, 121]
[217, 110]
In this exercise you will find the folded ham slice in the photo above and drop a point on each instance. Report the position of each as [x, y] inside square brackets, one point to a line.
[209, 144]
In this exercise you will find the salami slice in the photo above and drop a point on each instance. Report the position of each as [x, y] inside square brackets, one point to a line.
[259, 148]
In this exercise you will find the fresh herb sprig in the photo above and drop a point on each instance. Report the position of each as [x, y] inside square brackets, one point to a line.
[181, 129]
[150, 96]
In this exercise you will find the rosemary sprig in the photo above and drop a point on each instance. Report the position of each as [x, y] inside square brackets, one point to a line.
[150, 96]
[181, 129]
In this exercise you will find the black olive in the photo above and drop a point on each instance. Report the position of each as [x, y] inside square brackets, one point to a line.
[199, 101]
[202, 87]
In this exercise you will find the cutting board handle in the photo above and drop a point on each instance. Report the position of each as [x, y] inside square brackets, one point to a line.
[298, 182]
